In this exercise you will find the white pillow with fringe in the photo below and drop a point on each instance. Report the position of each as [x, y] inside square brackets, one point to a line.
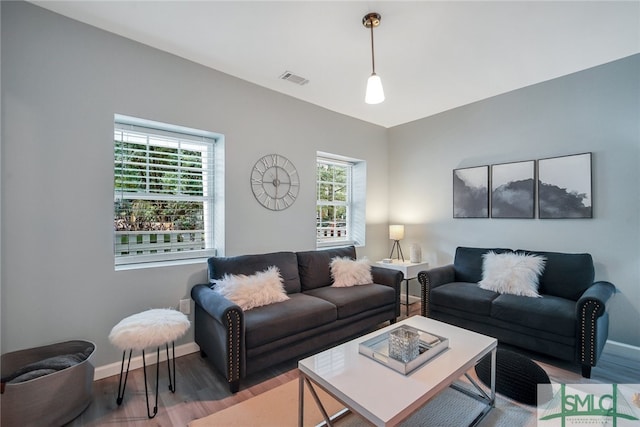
[349, 272]
[262, 288]
[512, 273]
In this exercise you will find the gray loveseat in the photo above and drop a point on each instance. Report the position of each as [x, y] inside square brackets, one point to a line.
[317, 316]
[569, 322]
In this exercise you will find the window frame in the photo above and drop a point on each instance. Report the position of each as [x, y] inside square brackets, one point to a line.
[171, 134]
[355, 203]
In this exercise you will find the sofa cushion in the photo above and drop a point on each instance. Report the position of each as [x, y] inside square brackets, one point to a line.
[298, 314]
[463, 296]
[512, 273]
[286, 262]
[314, 266]
[357, 299]
[549, 313]
[468, 263]
[565, 275]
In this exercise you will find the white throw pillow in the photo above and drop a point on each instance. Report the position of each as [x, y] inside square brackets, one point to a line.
[348, 272]
[262, 288]
[512, 273]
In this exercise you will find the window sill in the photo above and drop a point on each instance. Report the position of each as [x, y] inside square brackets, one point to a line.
[340, 244]
[159, 264]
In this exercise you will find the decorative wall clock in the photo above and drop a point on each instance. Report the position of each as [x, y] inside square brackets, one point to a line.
[275, 182]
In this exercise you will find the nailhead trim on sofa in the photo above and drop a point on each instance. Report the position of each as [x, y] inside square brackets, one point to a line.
[593, 308]
[234, 365]
[423, 278]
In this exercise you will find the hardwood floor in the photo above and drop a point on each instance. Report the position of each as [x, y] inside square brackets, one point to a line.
[200, 391]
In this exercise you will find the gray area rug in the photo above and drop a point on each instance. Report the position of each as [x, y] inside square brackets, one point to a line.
[279, 408]
[454, 409]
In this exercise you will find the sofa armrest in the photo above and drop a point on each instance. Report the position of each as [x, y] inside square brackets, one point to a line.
[220, 333]
[595, 298]
[433, 278]
[391, 278]
[593, 322]
[214, 304]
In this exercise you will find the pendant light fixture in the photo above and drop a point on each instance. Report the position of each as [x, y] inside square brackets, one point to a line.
[375, 93]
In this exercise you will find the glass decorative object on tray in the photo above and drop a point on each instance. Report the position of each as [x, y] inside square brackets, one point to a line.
[403, 348]
[404, 344]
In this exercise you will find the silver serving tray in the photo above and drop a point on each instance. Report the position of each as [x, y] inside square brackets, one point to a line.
[377, 348]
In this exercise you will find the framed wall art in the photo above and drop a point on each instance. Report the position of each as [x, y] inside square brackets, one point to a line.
[564, 187]
[513, 190]
[471, 192]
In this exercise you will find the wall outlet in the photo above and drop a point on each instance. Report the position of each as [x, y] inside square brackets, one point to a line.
[185, 306]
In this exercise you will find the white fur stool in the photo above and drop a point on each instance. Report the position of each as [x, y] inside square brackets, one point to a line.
[151, 328]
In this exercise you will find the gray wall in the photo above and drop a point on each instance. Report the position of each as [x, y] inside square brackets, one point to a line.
[597, 111]
[62, 82]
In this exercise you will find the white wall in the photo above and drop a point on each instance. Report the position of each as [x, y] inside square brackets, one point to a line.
[597, 110]
[62, 82]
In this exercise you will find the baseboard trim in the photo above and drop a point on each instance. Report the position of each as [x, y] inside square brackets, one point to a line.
[622, 350]
[136, 361]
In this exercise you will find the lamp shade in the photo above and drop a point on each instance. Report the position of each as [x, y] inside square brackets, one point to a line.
[375, 93]
[396, 232]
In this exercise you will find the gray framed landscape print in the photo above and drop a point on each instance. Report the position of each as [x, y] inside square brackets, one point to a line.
[471, 192]
[513, 190]
[564, 187]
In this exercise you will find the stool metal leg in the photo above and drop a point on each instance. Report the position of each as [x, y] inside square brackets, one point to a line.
[121, 387]
[172, 380]
[146, 392]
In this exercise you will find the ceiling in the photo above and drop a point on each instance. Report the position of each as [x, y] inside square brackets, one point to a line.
[432, 56]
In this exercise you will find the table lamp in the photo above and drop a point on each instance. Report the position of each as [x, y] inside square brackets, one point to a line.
[396, 233]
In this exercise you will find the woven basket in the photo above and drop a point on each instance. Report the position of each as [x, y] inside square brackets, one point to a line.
[50, 400]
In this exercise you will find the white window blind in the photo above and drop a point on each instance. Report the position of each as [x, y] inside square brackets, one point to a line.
[163, 192]
[333, 207]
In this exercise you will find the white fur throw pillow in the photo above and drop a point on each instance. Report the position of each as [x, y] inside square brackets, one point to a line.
[348, 272]
[512, 273]
[262, 288]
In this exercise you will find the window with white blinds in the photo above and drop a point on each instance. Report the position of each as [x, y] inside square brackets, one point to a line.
[163, 192]
[340, 200]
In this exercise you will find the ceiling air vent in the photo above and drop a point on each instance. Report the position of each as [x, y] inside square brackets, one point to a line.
[289, 76]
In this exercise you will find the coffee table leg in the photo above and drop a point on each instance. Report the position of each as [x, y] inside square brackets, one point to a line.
[488, 399]
[326, 417]
[493, 376]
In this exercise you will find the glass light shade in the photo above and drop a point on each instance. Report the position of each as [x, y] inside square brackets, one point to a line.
[396, 232]
[375, 93]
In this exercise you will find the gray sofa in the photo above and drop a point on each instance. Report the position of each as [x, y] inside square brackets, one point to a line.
[569, 322]
[317, 316]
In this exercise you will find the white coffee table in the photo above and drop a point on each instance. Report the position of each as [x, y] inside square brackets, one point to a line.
[386, 397]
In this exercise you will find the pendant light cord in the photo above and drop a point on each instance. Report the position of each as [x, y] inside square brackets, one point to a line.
[373, 61]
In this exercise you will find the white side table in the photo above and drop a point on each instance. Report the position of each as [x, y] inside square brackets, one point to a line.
[409, 269]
